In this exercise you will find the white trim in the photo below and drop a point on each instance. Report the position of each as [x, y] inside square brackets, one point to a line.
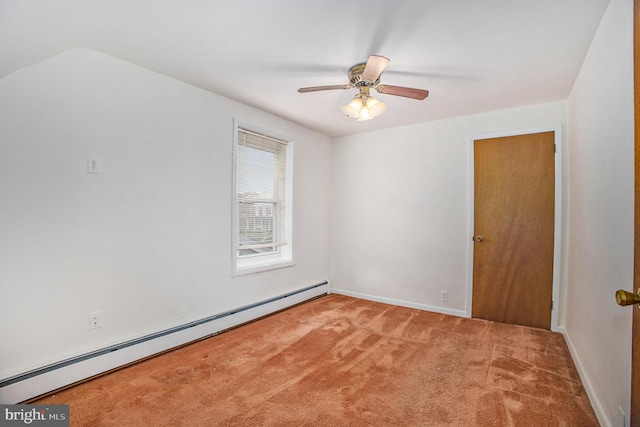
[598, 408]
[402, 303]
[63, 376]
[256, 267]
[557, 243]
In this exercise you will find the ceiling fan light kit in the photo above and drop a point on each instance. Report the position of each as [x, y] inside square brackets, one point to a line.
[364, 107]
[363, 77]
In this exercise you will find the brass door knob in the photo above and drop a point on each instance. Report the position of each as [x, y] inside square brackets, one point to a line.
[478, 239]
[627, 298]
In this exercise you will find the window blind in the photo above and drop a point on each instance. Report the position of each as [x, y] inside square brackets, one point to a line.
[260, 193]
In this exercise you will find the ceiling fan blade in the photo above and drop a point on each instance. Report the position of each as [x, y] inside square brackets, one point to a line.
[319, 88]
[407, 92]
[375, 66]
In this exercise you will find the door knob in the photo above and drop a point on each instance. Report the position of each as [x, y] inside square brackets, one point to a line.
[478, 239]
[627, 298]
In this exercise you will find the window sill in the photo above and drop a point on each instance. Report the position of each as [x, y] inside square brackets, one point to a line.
[248, 266]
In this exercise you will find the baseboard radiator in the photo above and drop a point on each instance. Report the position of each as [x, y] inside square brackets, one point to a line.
[27, 385]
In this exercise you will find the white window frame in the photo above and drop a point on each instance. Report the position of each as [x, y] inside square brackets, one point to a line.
[284, 257]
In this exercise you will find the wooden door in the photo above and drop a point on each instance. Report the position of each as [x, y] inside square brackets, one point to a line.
[514, 228]
[635, 343]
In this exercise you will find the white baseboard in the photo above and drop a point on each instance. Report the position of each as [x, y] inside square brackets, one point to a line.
[402, 303]
[603, 419]
[38, 382]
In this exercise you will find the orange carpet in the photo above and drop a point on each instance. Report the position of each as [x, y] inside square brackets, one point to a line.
[340, 361]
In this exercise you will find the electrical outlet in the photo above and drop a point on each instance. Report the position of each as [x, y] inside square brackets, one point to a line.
[94, 320]
[444, 296]
[93, 166]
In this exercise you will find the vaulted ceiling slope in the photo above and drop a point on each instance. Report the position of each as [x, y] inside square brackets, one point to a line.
[473, 56]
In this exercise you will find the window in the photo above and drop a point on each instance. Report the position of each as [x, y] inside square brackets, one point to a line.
[262, 220]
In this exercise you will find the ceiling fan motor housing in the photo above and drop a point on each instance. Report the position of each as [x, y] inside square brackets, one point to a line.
[355, 77]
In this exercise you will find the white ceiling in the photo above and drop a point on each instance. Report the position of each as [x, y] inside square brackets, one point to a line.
[472, 55]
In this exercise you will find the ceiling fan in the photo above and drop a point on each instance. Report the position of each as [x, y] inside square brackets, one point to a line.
[363, 77]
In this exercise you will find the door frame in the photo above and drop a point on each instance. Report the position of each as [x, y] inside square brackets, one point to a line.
[558, 212]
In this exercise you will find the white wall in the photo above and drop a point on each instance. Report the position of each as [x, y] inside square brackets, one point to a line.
[400, 229]
[148, 236]
[600, 234]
